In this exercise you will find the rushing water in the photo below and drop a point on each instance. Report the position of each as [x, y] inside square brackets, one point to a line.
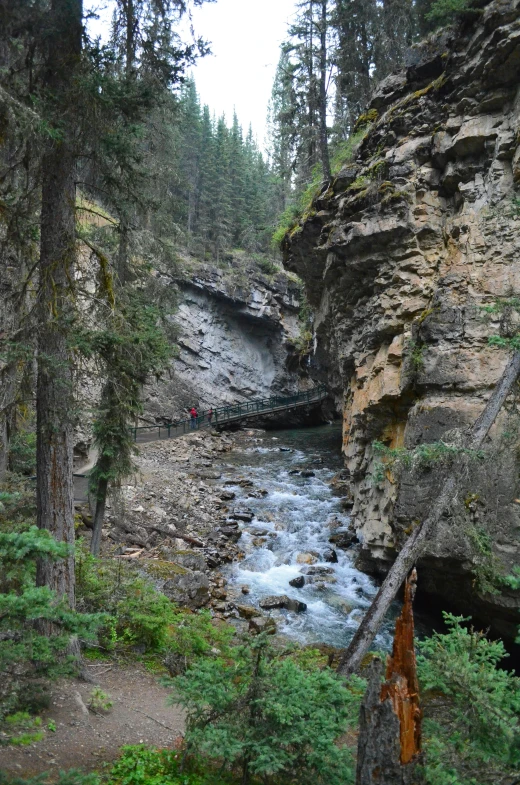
[291, 519]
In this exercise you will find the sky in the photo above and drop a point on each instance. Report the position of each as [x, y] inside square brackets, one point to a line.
[245, 36]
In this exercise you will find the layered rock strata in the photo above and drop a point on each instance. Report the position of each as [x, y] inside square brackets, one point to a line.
[238, 330]
[411, 262]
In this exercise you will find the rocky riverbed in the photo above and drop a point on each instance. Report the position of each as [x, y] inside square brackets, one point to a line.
[247, 526]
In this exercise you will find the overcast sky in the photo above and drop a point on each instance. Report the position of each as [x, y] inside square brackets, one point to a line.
[245, 36]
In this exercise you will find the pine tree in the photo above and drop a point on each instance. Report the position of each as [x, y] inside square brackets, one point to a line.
[54, 487]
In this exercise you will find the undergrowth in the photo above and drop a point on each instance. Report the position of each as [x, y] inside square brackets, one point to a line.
[301, 204]
[425, 456]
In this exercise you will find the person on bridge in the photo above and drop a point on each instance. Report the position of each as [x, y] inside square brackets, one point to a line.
[193, 416]
[210, 414]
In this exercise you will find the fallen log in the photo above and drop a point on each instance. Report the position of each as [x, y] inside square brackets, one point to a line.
[414, 545]
[168, 531]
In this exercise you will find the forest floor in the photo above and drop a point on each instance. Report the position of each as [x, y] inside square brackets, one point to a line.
[83, 739]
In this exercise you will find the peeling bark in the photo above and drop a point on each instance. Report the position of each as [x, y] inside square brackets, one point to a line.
[401, 685]
[390, 718]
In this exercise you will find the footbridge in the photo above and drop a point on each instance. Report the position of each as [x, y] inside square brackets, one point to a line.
[230, 415]
[220, 418]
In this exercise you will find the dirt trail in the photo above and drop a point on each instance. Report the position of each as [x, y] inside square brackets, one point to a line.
[84, 740]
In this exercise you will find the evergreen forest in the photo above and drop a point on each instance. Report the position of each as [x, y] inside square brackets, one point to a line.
[162, 266]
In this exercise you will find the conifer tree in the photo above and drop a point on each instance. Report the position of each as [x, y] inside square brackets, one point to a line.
[54, 487]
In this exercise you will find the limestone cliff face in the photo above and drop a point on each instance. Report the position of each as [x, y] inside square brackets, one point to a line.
[237, 334]
[400, 256]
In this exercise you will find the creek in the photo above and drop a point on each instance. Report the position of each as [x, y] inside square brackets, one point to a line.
[291, 522]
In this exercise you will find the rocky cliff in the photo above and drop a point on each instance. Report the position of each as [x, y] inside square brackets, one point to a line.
[411, 262]
[238, 333]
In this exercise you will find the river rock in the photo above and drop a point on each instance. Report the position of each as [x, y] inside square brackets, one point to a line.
[274, 601]
[209, 475]
[330, 555]
[298, 582]
[282, 601]
[245, 589]
[293, 471]
[227, 496]
[306, 558]
[307, 473]
[247, 611]
[317, 570]
[231, 533]
[259, 542]
[242, 515]
[343, 540]
[260, 624]
[192, 560]
[191, 589]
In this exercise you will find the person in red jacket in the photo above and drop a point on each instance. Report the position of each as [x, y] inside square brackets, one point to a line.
[193, 416]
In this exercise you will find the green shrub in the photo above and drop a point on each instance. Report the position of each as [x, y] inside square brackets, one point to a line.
[267, 266]
[22, 453]
[425, 456]
[472, 730]
[149, 766]
[25, 654]
[444, 12]
[194, 635]
[264, 715]
[139, 616]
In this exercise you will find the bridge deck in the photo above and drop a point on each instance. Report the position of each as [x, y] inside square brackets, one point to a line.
[222, 416]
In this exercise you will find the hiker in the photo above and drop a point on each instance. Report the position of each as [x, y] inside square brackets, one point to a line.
[210, 414]
[193, 418]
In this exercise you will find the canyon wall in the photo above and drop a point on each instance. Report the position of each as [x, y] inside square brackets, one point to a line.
[238, 330]
[411, 262]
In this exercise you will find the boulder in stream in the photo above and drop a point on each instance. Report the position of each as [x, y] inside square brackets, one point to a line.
[298, 582]
[242, 515]
[307, 558]
[282, 601]
[331, 556]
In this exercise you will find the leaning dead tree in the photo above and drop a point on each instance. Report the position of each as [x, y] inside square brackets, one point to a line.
[414, 546]
[390, 718]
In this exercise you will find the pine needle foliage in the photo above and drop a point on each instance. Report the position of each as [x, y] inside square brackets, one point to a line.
[444, 12]
[25, 654]
[268, 717]
[473, 705]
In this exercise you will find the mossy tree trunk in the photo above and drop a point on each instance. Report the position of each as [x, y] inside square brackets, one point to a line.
[54, 409]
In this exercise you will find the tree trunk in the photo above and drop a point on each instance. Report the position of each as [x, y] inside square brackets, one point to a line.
[414, 546]
[389, 741]
[54, 410]
[99, 515]
[324, 144]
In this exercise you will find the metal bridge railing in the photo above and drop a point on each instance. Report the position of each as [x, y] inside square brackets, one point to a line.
[225, 414]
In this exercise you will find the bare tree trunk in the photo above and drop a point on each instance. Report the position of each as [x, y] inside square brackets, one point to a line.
[54, 488]
[324, 144]
[414, 546]
[99, 515]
